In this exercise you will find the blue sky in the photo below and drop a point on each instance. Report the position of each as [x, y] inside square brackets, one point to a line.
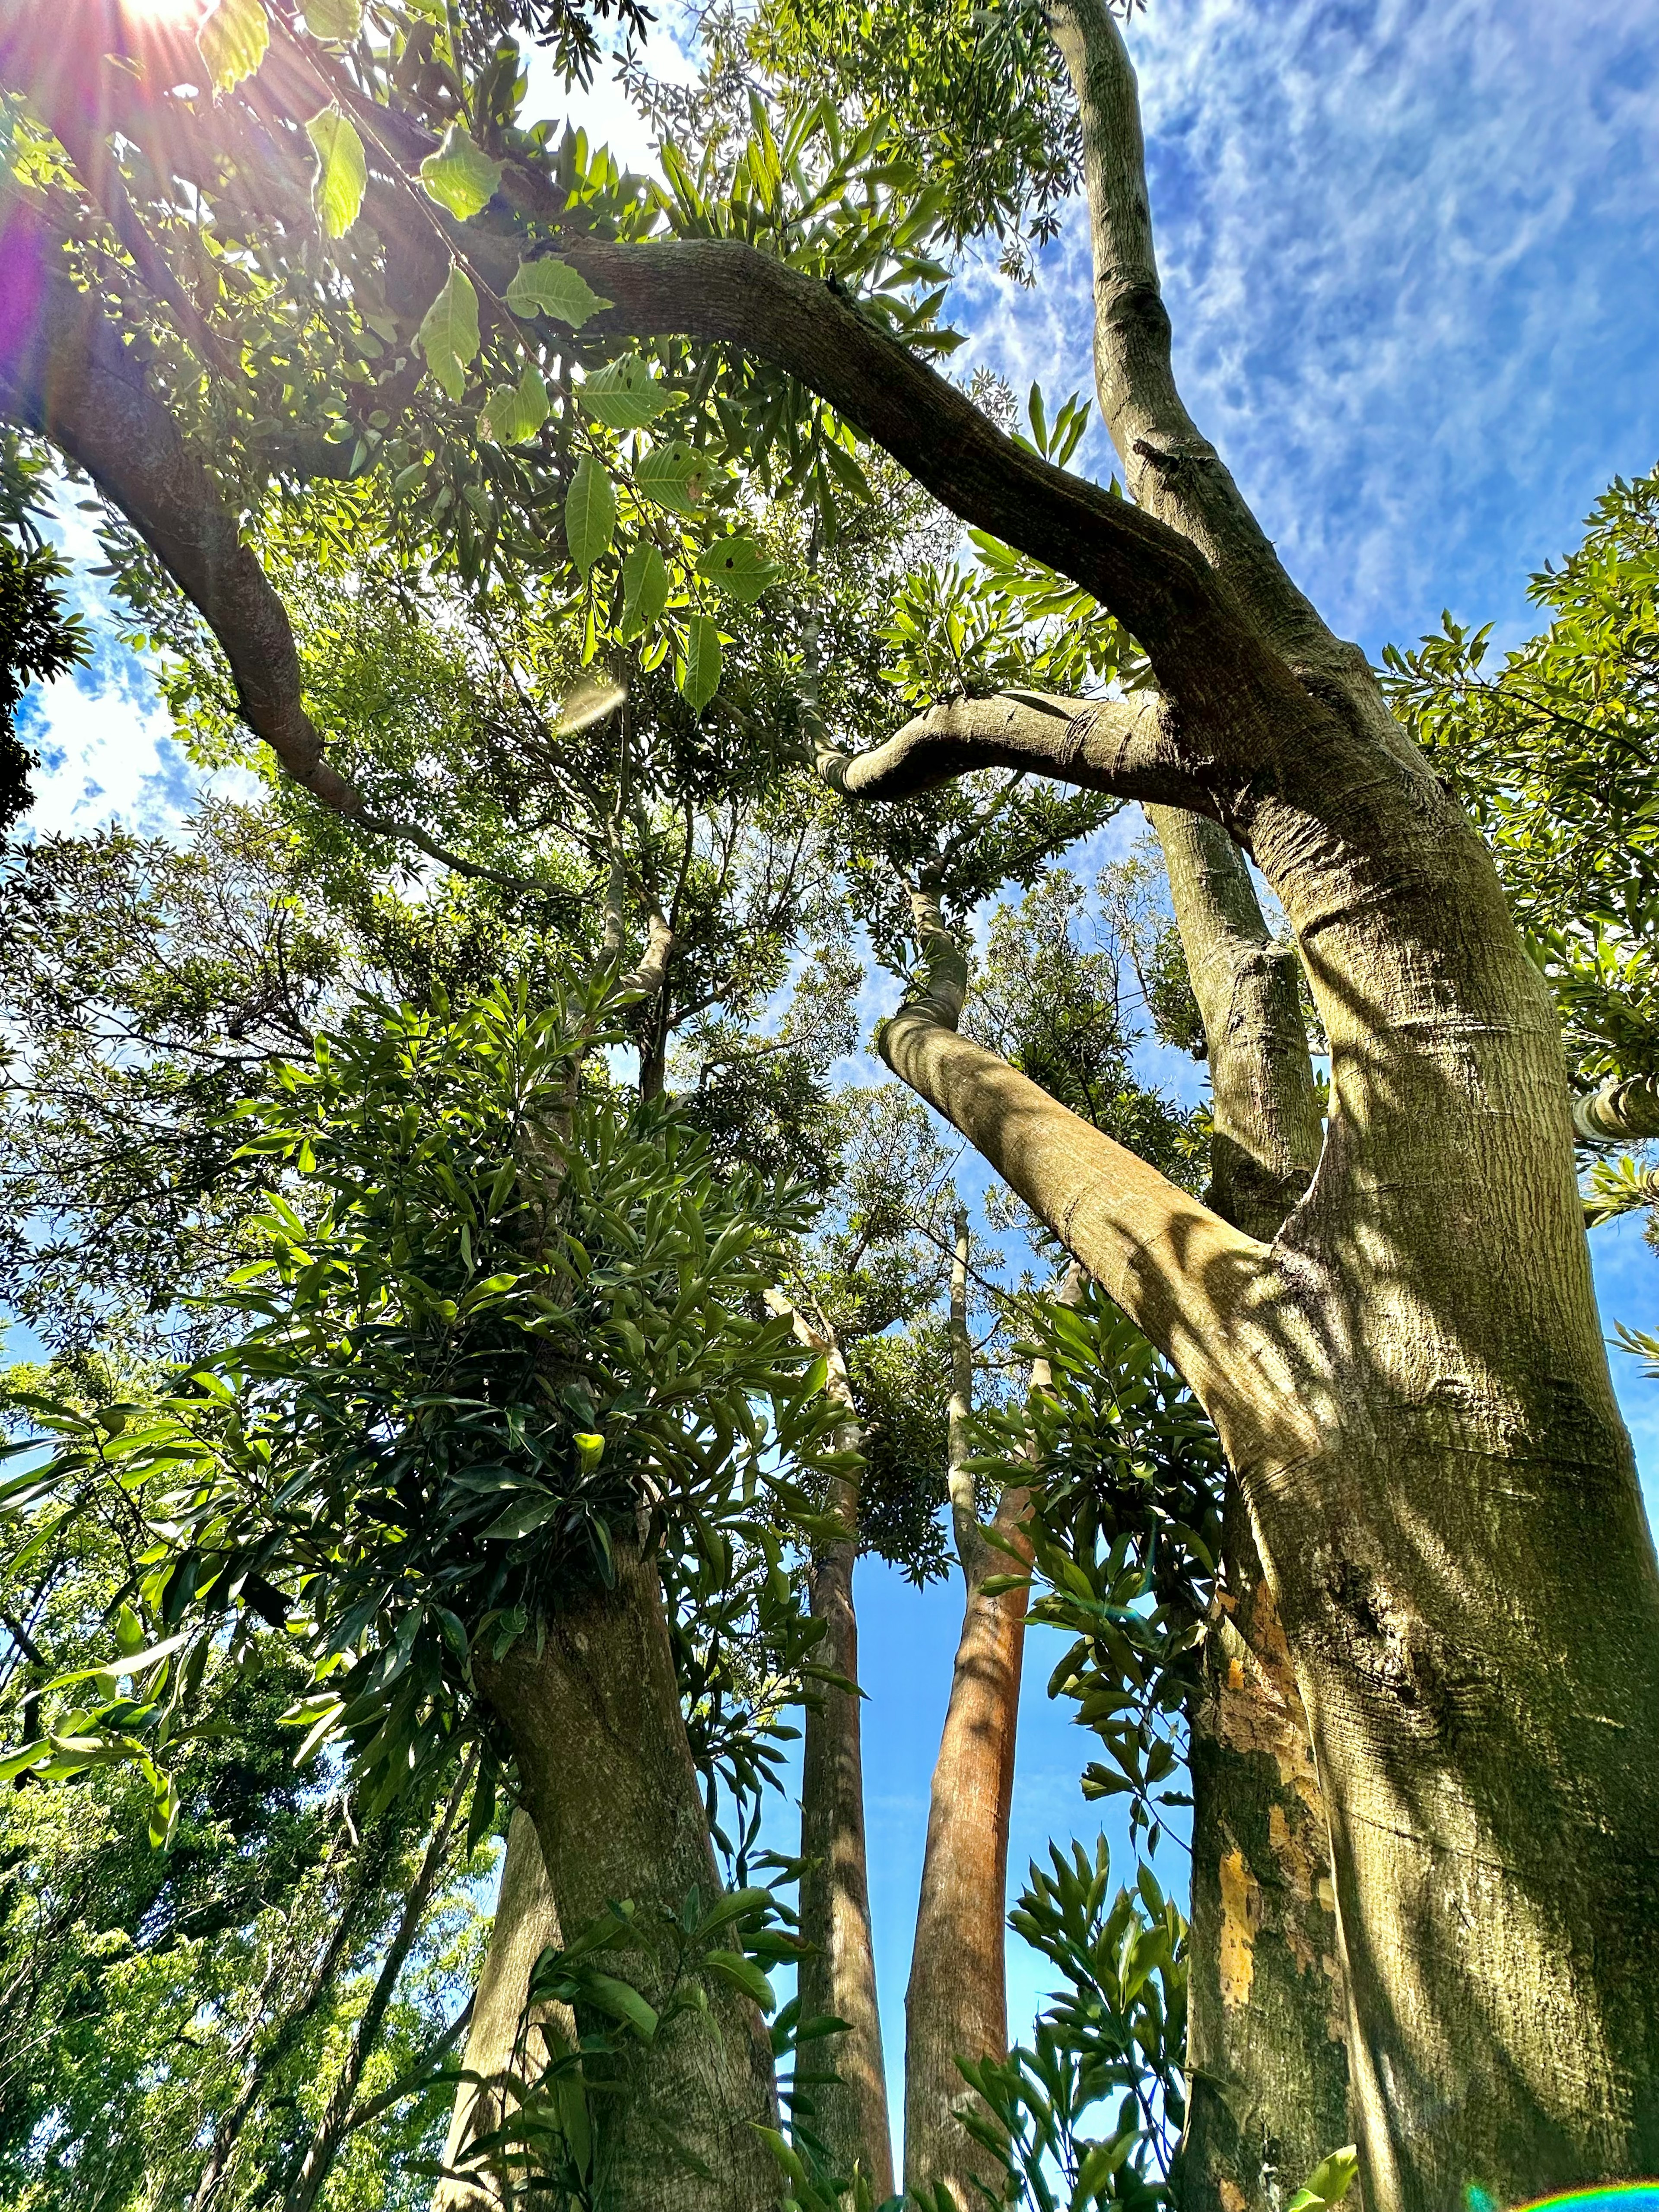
[1411, 254]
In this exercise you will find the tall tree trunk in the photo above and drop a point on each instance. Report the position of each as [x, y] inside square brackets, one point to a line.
[837, 1979]
[957, 2003]
[509, 2043]
[1266, 2051]
[606, 1773]
[332, 2128]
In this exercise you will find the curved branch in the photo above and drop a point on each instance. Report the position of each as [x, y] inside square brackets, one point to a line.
[1183, 1275]
[1624, 1111]
[1125, 746]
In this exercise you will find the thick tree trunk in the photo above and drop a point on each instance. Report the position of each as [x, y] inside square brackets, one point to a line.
[837, 1976]
[607, 1776]
[509, 2044]
[957, 2004]
[1267, 2074]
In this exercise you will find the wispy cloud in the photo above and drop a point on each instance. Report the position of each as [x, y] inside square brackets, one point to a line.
[1410, 254]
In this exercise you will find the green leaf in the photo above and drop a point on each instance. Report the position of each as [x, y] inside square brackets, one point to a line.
[334, 19]
[590, 513]
[511, 415]
[623, 395]
[448, 336]
[460, 175]
[590, 1450]
[738, 567]
[547, 287]
[336, 191]
[645, 589]
[1329, 2182]
[519, 1520]
[675, 476]
[743, 1974]
[622, 2002]
[699, 678]
[232, 40]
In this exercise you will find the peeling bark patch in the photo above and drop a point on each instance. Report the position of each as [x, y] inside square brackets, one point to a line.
[1241, 1916]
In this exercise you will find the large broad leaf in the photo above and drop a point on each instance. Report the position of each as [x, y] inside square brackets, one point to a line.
[517, 411]
[521, 1519]
[675, 476]
[699, 678]
[590, 513]
[621, 2001]
[739, 568]
[448, 336]
[743, 1974]
[336, 193]
[623, 395]
[460, 175]
[232, 40]
[547, 287]
[645, 589]
[334, 19]
[1329, 2182]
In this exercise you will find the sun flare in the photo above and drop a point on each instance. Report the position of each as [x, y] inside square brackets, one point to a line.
[183, 14]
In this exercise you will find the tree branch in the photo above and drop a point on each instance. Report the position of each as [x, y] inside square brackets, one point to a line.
[1622, 1112]
[1180, 1273]
[1125, 746]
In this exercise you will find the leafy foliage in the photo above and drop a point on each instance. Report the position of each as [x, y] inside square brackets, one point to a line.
[37, 640]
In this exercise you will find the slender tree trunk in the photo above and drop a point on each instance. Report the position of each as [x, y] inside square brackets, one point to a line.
[332, 2127]
[1266, 2052]
[508, 2044]
[837, 1977]
[607, 1776]
[957, 2003]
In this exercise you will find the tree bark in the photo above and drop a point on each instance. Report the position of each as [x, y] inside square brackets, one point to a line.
[837, 1977]
[606, 1774]
[957, 2004]
[1268, 2095]
[509, 2043]
[1625, 1112]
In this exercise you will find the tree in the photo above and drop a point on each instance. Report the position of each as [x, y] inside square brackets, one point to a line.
[1408, 1376]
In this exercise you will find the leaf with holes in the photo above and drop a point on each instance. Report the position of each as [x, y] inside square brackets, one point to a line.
[623, 395]
[232, 40]
[460, 175]
[700, 676]
[737, 567]
[547, 287]
[675, 476]
[590, 513]
[645, 589]
[336, 191]
[448, 336]
[516, 412]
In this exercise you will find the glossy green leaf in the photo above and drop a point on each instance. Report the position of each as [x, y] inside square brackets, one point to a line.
[1329, 2182]
[460, 175]
[448, 336]
[645, 589]
[523, 1519]
[743, 1974]
[547, 287]
[590, 513]
[623, 395]
[232, 40]
[515, 412]
[622, 2002]
[737, 567]
[336, 191]
[699, 678]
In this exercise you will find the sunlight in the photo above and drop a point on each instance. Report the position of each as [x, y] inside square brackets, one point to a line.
[183, 13]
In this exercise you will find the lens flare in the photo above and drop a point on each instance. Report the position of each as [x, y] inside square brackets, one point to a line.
[172, 15]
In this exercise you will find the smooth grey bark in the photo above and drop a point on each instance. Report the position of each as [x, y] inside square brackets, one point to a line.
[1625, 1112]
[1267, 2075]
[510, 2042]
[606, 1773]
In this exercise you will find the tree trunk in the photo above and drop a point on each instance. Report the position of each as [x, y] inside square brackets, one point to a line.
[837, 1976]
[508, 2044]
[1266, 2057]
[957, 2003]
[606, 1774]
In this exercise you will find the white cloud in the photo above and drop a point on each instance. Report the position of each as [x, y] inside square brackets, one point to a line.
[1410, 256]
